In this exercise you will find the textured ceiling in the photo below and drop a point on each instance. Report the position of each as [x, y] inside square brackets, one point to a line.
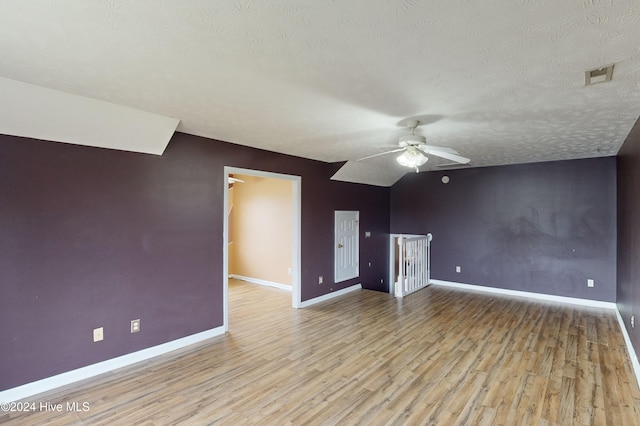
[500, 81]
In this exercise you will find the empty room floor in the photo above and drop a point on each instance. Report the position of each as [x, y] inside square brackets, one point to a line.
[438, 356]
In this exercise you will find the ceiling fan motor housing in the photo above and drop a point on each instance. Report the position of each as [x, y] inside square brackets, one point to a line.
[409, 140]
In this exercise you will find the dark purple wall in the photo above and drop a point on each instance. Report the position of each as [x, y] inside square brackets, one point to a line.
[629, 234]
[543, 227]
[327, 197]
[92, 237]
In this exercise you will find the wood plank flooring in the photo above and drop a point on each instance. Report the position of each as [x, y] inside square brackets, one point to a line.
[439, 357]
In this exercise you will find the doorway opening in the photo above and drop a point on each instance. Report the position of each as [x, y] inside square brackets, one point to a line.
[295, 232]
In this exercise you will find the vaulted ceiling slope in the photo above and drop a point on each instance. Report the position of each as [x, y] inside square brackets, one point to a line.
[499, 81]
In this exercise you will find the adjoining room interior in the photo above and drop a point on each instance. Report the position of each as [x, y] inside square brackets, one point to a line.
[509, 132]
[260, 233]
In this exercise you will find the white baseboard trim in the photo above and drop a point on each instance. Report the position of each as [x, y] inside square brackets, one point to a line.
[63, 379]
[330, 296]
[632, 354]
[261, 282]
[530, 295]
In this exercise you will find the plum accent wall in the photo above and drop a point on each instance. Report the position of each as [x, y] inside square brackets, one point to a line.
[92, 237]
[541, 227]
[629, 234]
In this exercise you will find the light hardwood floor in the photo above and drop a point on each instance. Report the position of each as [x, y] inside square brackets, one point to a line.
[439, 356]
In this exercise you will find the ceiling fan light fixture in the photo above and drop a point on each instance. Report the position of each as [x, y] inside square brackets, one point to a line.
[412, 157]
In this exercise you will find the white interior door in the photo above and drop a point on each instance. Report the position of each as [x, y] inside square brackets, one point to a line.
[346, 245]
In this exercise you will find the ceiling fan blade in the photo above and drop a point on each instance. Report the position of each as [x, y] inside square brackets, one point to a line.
[382, 153]
[444, 153]
[427, 148]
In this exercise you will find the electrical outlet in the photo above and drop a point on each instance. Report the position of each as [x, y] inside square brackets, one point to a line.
[458, 269]
[590, 283]
[320, 279]
[367, 234]
[288, 271]
[98, 334]
[135, 325]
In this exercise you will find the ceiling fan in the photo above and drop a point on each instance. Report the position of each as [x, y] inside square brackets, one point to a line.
[414, 147]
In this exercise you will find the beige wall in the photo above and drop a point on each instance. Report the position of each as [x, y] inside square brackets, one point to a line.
[260, 228]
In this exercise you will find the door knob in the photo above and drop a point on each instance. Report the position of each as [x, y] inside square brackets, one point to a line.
[340, 246]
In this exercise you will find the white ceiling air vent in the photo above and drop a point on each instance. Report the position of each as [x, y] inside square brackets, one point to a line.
[599, 75]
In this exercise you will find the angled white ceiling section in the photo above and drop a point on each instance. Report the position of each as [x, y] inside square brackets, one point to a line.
[37, 112]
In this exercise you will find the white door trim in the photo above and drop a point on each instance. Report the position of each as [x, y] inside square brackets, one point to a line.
[295, 231]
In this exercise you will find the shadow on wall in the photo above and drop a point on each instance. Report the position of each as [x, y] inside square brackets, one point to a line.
[525, 241]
